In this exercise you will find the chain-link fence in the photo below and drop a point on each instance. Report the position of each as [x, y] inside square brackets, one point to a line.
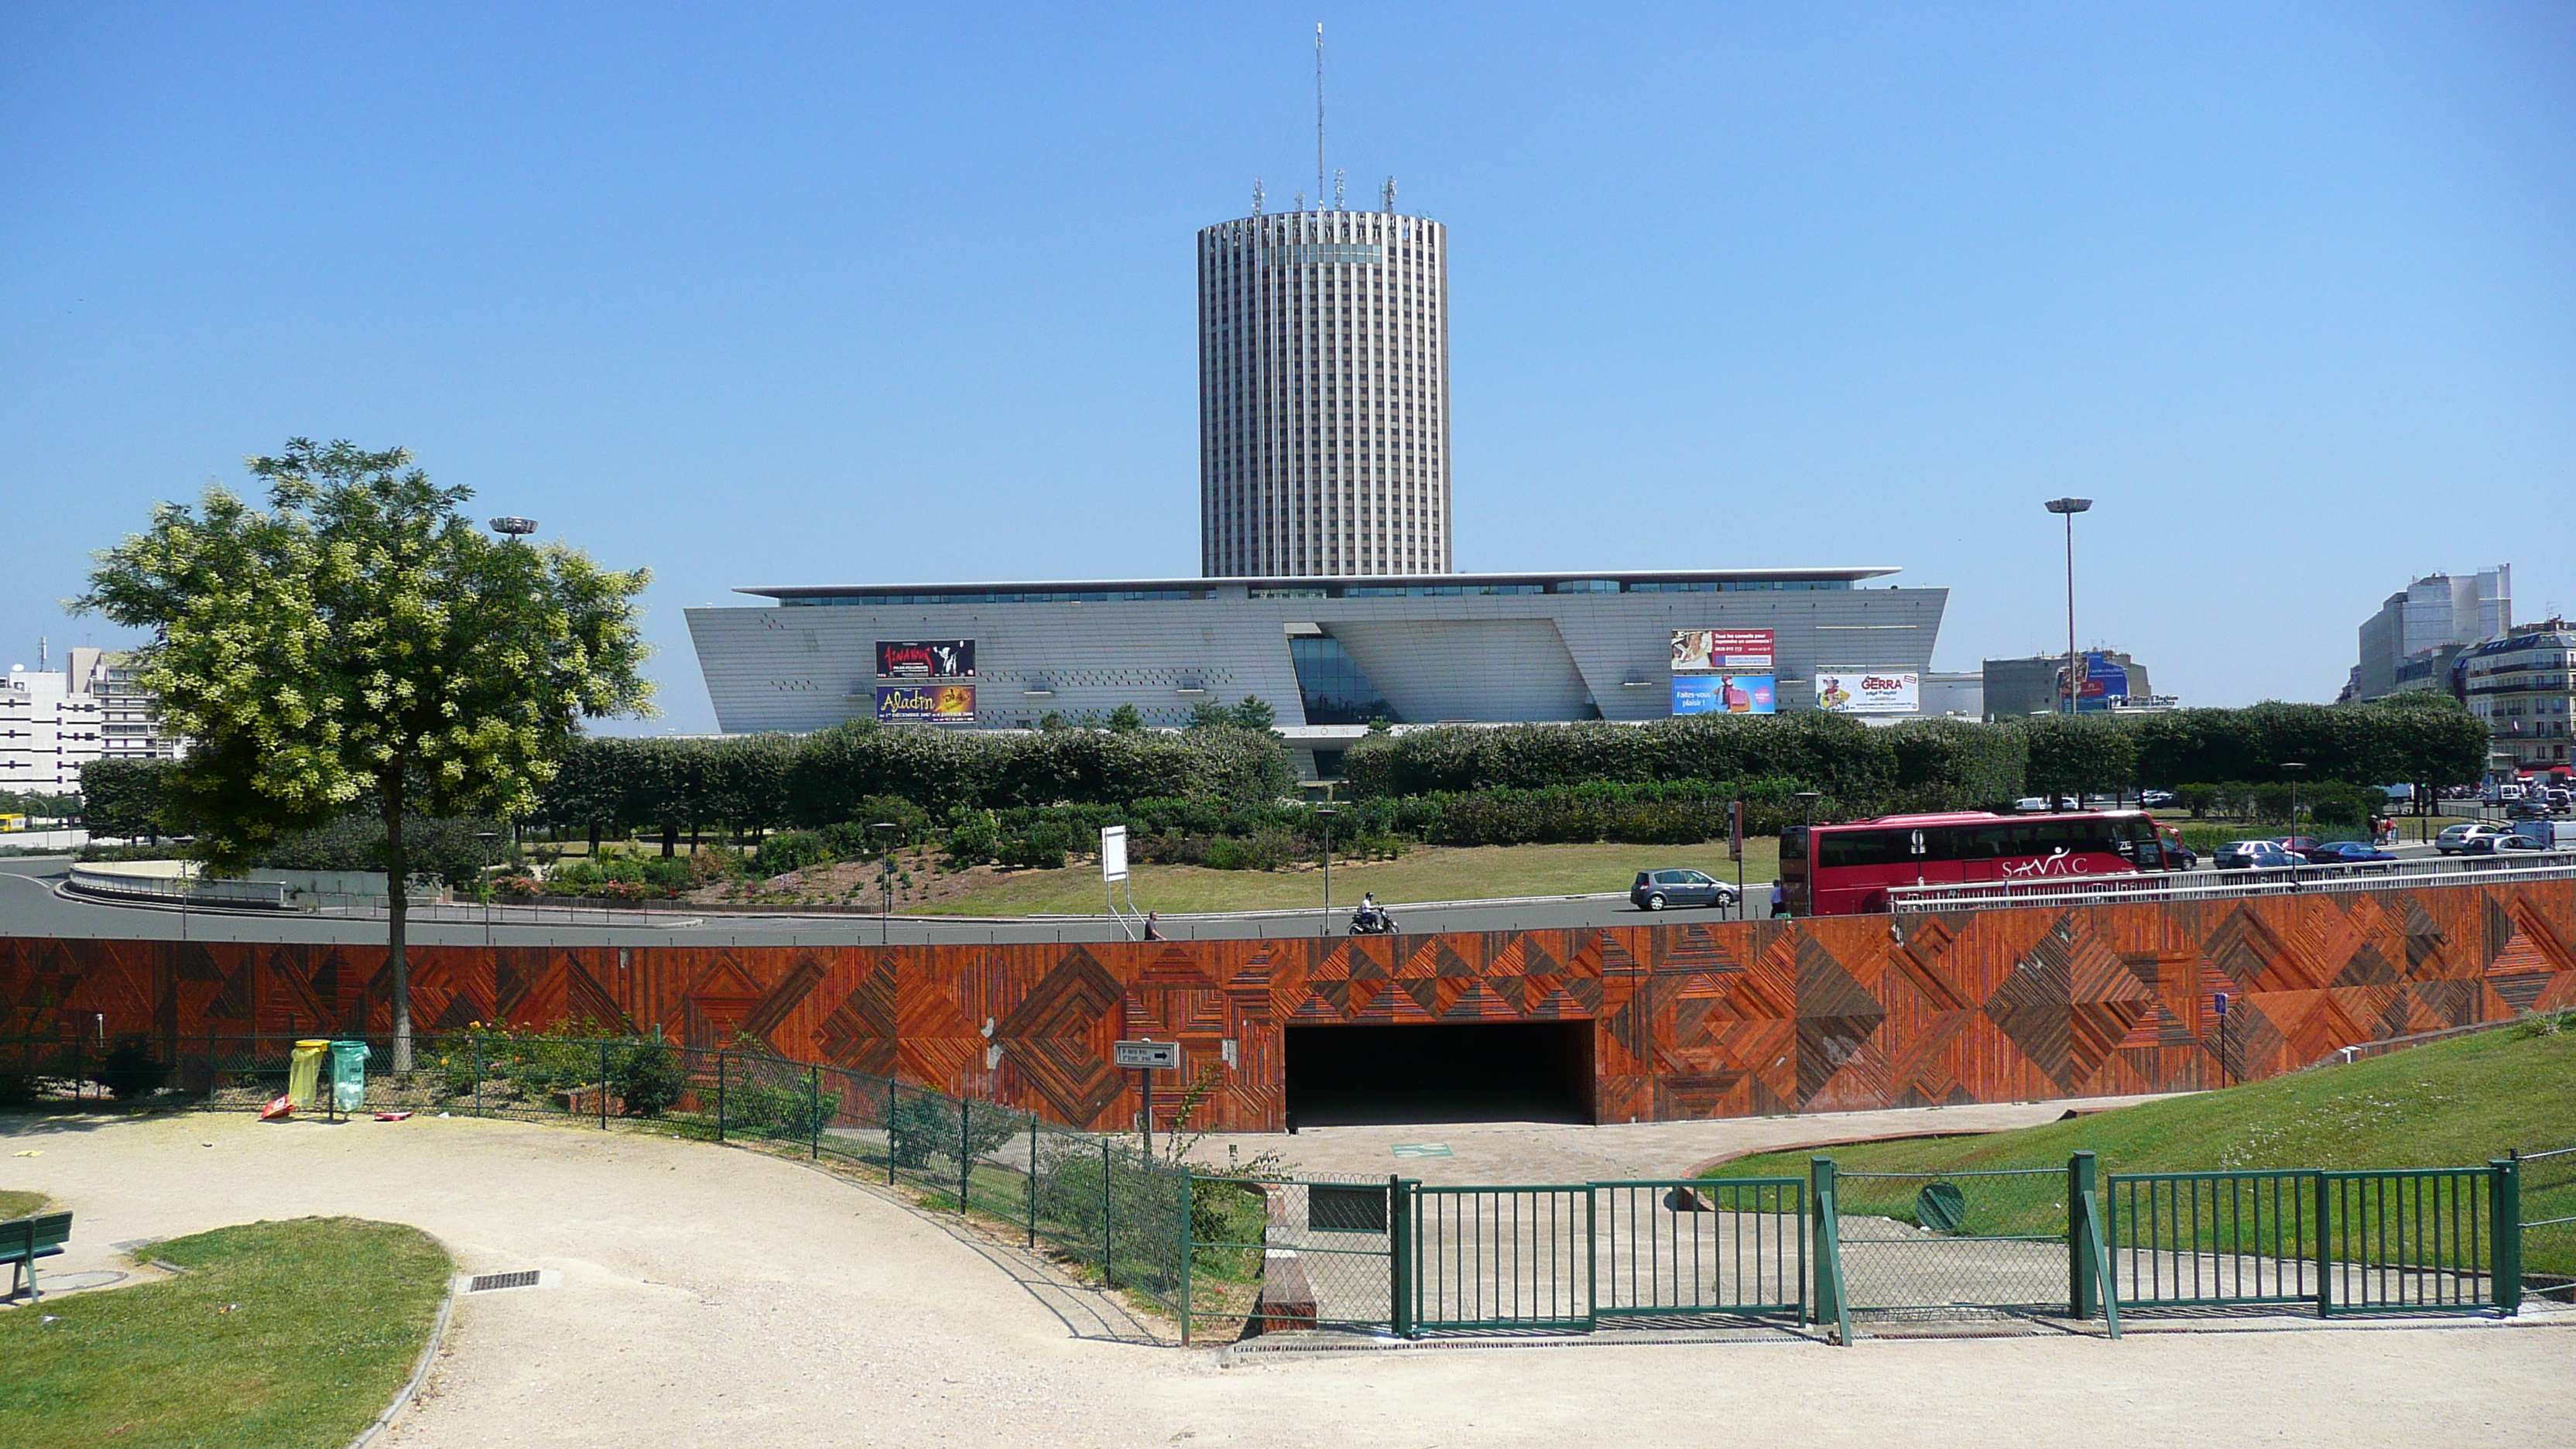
[2549, 1222]
[1989, 1239]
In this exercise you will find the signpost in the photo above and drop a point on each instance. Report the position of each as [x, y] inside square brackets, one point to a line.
[1113, 869]
[2219, 1000]
[1146, 1058]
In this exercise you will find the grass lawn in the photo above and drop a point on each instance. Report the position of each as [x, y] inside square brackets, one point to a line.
[21, 1204]
[2456, 1103]
[281, 1336]
[1424, 873]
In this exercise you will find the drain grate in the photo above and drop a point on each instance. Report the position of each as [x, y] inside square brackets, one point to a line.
[486, 1282]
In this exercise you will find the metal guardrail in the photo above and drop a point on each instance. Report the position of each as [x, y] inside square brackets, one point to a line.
[2150, 887]
[176, 890]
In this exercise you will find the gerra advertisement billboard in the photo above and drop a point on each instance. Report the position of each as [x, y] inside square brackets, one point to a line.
[925, 658]
[1869, 691]
[925, 704]
[1721, 651]
[1724, 694]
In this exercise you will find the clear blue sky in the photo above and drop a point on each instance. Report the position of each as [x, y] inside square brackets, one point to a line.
[775, 294]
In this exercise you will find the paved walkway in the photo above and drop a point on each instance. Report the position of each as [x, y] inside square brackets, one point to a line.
[714, 1297]
[1549, 1152]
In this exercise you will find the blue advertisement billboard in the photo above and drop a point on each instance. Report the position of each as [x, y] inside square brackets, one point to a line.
[1724, 694]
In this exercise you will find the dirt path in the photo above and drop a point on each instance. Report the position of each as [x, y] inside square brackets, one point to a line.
[715, 1297]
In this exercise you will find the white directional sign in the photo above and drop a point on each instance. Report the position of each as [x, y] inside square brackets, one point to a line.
[1152, 1056]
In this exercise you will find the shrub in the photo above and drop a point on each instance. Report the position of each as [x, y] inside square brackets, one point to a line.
[791, 850]
[1042, 846]
[131, 1070]
[1267, 850]
[925, 1125]
[648, 1078]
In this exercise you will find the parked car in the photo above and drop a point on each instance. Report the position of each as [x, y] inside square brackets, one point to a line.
[2527, 810]
[2252, 855]
[2154, 799]
[2179, 856]
[2298, 844]
[1656, 889]
[2458, 839]
[2346, 852]
[2502, 843]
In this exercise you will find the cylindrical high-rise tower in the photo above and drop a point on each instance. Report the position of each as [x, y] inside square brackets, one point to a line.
[1324, 395]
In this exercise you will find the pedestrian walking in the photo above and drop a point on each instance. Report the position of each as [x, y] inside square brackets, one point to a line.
[1779, 899]
[1152, 932]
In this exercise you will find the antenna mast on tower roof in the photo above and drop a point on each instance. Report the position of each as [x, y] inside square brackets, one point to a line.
[1319, 113]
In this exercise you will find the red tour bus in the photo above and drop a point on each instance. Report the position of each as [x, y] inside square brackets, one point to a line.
[1844, 870]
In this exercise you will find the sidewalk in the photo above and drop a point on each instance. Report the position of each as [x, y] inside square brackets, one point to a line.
[1554, 1152]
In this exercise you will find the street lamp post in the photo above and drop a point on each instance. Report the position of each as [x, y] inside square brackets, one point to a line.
[883, 831]
[1807, 805]
[2292, 768]
[2068, 508]
[1326, 813]
[487, 837]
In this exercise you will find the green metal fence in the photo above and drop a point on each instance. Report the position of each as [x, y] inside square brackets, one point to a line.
[2203, 1239]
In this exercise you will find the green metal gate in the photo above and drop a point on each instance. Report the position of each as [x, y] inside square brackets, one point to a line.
[1563, 1257]
[1683, 1247]
[1501, 1257]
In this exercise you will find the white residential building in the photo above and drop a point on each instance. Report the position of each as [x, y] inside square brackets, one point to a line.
[52, 722]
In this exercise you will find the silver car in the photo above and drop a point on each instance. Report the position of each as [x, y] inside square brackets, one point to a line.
[1656, 889]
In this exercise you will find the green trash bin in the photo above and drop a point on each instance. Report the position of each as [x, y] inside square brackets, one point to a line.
[349, 1076]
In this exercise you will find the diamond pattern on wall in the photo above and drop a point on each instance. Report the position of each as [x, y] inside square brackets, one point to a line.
[1688, 1019]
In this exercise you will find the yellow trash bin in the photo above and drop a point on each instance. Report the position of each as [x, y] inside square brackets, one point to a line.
[304, 1071]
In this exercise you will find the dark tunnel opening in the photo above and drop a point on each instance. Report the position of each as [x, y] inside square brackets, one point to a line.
[1519, 1071]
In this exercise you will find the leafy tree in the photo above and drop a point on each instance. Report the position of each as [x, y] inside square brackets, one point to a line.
[1255, 713]
[127, 798]
[362, 643]
[1125, 720]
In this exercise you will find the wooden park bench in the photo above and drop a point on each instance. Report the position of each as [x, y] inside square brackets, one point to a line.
[24, 1240]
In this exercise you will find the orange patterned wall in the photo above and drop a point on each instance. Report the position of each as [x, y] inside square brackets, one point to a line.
[1698, 1020]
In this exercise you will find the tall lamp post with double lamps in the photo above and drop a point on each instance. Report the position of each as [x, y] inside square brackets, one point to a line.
[2068, 508]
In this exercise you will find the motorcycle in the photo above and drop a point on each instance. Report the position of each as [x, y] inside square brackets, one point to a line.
[1366, 922]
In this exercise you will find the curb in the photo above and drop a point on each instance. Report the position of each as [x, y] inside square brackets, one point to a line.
[419, 1370]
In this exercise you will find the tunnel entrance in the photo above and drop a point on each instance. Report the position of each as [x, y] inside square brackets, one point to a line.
[1514, 1071]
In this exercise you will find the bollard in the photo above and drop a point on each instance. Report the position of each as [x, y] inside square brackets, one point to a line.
[2506, 1219]
[2080, 1287]
[1106, 1280]
[1399, 1257]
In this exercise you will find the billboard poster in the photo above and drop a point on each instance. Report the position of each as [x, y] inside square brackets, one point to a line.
[925, 658]
[1869, 691]
[925, 704]
[1724, 694]
[1721, 651]
[2103, 684]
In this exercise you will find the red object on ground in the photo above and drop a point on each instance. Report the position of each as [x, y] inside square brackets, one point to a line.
[278, 1109]
[391, 1116]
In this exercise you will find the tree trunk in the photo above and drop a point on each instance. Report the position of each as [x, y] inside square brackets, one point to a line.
[397, 909]
[670, 840]
[594, 842]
